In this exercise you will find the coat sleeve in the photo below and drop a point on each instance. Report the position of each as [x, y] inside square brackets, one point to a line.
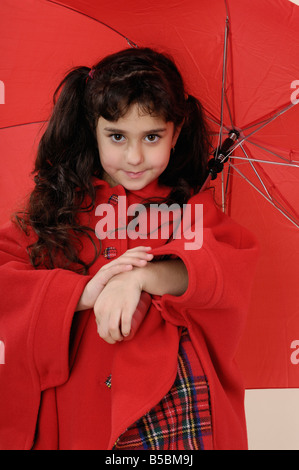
[220, 257]
[36, 313]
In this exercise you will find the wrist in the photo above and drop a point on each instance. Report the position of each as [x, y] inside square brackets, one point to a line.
[146, 277]
[85, 302]
[163, 277]
[135, 276]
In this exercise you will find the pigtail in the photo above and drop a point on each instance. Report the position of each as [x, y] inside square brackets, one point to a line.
[67, 159]
[186, 171]
[69, 144]
[194, 141]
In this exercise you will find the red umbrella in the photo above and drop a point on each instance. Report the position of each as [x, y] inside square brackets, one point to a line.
[239, 59]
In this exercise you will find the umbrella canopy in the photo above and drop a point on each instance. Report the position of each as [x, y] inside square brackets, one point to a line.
[238, 58]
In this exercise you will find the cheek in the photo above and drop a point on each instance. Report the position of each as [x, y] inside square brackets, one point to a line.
[108, 157]
[162, 158]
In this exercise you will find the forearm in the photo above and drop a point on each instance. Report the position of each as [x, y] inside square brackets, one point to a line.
[163, 277]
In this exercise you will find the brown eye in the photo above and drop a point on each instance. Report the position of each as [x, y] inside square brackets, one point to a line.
[117, 137]
[152, 137]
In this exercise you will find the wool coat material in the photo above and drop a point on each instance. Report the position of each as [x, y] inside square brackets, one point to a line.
[63, 387]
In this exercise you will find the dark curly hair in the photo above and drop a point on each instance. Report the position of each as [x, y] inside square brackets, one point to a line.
[68, 156]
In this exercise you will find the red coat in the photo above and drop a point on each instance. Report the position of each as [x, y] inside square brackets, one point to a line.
[53, 384]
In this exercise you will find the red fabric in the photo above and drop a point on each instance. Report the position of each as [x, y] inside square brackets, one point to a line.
[41, 40]
[44, 389]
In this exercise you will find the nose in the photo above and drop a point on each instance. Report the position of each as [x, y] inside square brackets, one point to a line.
[134, 154]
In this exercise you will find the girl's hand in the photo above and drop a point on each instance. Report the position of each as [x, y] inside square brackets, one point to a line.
[116, 305]
[118, 300]
[136, 257]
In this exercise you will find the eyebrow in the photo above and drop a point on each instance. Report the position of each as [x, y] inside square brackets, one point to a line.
[119, 131]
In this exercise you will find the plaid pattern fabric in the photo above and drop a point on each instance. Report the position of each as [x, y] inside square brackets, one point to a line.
[182, 419]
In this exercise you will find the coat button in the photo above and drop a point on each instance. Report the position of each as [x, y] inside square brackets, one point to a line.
[113, 199]
[108, 381]
[110, 252]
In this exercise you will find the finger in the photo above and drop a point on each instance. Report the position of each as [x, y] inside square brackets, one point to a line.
[106, 274]
[139, 248]
[138, 252]
[126, 324]
[133, 255]
[105, 335]
[114, 327]
[134, 260]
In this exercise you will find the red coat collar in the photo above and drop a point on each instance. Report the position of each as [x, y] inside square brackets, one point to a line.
[153, 189]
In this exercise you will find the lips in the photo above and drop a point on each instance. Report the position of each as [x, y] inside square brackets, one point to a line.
[133, 175]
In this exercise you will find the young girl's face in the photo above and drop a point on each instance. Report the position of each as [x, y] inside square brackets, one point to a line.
[135, 150]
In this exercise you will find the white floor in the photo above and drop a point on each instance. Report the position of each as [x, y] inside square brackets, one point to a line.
[272, 419]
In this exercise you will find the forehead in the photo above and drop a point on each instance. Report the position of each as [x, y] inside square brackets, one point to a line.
[136, 120]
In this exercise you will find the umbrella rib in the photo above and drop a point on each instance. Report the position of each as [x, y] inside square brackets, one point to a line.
[214, 120]
[225, 193]
[265, 123]
[131, 43]
[223, 84]
[273, 153]
[284, 213]
[22, 124]
[224, 97]
[277, 203]
[291, 164]
[256, 173]
[276, 113]
[229, 112]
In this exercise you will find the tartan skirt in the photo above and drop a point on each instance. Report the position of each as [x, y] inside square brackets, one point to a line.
[182, 419]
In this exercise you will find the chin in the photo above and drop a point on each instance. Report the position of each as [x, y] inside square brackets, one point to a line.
[134, 186]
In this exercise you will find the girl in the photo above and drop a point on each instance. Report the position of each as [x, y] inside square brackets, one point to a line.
[125, 132]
